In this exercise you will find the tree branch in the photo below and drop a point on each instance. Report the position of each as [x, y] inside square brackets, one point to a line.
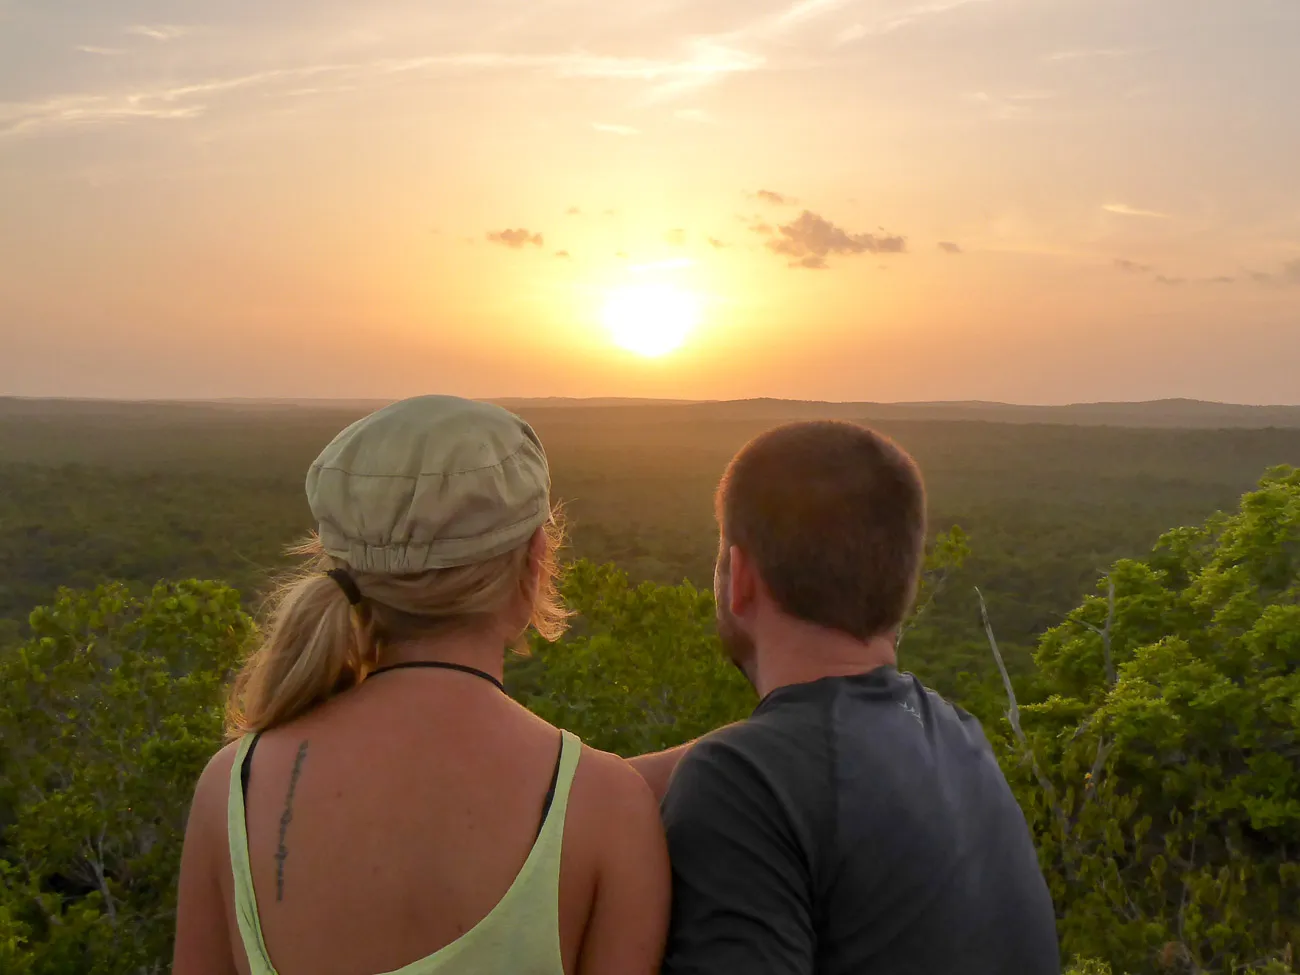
[1013, 716]
[97, 864]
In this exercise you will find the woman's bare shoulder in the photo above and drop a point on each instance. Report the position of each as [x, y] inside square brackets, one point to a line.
[612, 792]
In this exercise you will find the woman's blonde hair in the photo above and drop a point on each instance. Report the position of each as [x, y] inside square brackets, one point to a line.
[316, 644]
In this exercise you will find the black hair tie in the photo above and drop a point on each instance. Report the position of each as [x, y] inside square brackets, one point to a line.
[347, 584]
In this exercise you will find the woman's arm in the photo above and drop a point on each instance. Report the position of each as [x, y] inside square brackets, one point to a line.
[629, 918]
[202, 925]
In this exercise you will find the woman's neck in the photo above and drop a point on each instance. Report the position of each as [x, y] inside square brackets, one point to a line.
[479, 647]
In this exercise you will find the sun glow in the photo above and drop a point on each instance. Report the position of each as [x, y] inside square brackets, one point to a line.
[650, 319]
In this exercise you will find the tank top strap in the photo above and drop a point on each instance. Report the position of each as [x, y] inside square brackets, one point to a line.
[250, 925]
[570, 753]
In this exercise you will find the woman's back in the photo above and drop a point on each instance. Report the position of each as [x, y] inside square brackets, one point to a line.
[386, 829]
[384, 805]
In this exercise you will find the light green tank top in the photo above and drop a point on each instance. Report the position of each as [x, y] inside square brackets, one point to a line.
[520, 935]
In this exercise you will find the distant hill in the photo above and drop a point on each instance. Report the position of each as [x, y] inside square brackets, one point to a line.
[1169, 413]
[1166, 413]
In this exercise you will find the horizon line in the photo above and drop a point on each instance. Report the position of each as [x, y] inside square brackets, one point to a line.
[643, 401]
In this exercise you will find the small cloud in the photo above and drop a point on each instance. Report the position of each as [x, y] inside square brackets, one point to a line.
[609, 213]
[811, 238]
[1289, 275]
[1161, 279]
[1132, 267]
[1102, 52]
[854, 32]
[776, 199]
[515, 238]
[622, 254]
[1221, 279]
[1006, 108]
[562, 254]
[717, 244]
[948, 247]
[1124, 210]
[107, 52]
[615, 129]
[693, 115]
[676, 237]
[573, 212]
[763, 229]
[160, 32]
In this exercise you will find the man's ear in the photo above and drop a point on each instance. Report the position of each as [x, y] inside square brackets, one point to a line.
[742, 582]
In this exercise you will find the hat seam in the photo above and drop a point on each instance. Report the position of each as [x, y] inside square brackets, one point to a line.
[412, 477]
[491, 532]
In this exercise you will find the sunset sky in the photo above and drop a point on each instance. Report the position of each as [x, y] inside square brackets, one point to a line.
[1035, 201]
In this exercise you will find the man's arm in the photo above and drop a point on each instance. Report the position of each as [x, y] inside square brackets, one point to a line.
[742, 885]
[657, 767]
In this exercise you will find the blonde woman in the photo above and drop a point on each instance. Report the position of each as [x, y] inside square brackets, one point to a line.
[383, 806]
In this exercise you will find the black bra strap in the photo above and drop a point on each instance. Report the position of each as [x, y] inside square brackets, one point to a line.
[246, 766]
[442, 665]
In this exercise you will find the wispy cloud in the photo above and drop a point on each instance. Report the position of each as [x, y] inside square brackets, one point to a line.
[717, 244]
[1008, 107]
[950, 247]
[811, 238]
[174, 102]
[1164, 279]
[574, 211]
[854, 32]
[702, 64]
[563, 254]
[1288, 275]
[890, 23]
[1132, 267]
[615, 129]
[1102, 52]
[774, 198]
[515, 239]
[160, 32]
[1124, 210]
[104, 51]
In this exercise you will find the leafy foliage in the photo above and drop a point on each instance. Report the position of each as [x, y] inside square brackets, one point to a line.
[107, 715]
[1161, 767]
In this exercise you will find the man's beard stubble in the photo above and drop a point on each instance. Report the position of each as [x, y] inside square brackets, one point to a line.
[736, 643]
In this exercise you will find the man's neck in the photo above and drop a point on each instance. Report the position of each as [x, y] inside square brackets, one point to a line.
[798, 653]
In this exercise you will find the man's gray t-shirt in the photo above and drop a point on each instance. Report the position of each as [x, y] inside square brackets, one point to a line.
[853, 825]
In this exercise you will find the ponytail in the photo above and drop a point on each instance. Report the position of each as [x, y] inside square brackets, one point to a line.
[314, 645]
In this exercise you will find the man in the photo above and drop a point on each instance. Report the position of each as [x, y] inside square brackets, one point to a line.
[856, 822]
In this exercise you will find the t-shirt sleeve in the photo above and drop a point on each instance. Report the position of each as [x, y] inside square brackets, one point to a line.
[742, 900]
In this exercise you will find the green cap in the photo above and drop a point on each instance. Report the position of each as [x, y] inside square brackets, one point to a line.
[429, 483]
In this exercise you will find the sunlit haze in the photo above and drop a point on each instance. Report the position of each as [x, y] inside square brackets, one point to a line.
[1035, 201]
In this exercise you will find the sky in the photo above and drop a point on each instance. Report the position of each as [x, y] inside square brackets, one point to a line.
[1033, 201]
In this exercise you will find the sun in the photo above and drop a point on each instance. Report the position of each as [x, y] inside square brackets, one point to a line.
[650, 319]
